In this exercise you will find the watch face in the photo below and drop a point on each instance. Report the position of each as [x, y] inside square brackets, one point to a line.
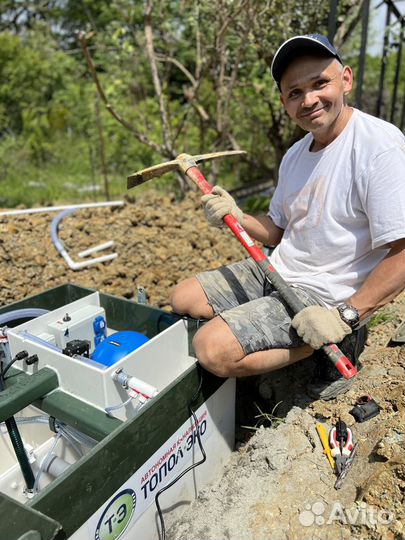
[349, 314]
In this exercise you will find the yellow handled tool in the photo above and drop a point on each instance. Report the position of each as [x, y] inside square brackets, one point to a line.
[323, 435]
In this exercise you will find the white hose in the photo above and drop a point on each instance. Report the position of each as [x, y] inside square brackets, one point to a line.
[16, 314]
[70, 440]
[72, 436]
[32, 419]
[41, 468]
[79, 437]
[47, 209]
[109, 410]
[61, 249]
[70, 433]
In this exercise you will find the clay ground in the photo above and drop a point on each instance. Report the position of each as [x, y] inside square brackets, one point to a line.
[277, 484]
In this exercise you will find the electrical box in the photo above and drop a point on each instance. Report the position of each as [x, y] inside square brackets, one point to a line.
[87, 323]
[156, 362]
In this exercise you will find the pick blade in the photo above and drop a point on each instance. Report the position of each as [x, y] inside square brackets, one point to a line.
[215, 155]
[144, 175]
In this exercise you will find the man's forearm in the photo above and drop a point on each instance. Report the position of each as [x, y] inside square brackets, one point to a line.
[384, 283]
[263, 229]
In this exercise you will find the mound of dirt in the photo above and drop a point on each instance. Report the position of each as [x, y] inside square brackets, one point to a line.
[159, 241]
[277, 484]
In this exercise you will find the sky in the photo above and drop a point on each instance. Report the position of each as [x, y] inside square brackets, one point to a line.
[378, 11]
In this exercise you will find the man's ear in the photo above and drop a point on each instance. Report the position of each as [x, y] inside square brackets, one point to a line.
[347, 78]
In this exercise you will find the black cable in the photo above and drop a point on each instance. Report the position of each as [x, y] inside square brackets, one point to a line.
[193, 466]
[18, 445]
[4, 371]
[19, 356]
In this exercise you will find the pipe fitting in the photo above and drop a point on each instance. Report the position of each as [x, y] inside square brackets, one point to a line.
[54, 465]
[137, 386]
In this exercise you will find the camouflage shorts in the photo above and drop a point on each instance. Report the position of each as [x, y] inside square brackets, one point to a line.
[257, 315]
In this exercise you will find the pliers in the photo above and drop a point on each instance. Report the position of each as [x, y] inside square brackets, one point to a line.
[341, 445]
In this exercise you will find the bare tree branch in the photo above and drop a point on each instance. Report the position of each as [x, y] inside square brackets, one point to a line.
[198, 62]
[352, 18]
[232, 82]
[155, 75]
[179, 65]
[102, 147]
[202, 113]
[189, 93]
[140, 136]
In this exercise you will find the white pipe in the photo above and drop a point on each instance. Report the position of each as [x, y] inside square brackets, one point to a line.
[61, 249]
[47, 209]
[79, 265]
[142, 387]
[100, 247]
[54, 465]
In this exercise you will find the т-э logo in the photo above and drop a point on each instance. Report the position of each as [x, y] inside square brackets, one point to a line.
[117, 516]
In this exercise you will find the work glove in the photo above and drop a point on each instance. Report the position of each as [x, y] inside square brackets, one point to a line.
[218, 204]
[319, 326]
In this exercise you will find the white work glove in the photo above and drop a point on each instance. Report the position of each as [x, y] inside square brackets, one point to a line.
[318, 326]
[218, 204]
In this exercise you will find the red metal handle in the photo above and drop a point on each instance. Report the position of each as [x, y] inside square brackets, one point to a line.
[335, 355]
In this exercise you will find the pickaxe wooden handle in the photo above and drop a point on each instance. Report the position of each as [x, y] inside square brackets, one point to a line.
[188, 164]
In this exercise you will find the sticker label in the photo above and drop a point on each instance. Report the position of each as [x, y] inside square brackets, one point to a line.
[117, 515]
[247, 239]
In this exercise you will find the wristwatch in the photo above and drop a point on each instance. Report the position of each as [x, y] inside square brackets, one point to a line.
[349, 315]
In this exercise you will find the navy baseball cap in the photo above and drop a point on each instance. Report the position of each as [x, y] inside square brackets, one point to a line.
[299, 46]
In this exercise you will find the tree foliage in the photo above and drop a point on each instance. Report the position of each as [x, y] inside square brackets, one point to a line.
[183, 75]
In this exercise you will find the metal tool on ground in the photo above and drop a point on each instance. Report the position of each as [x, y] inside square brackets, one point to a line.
[323, 435]
[342, 476]
[341, 444]
[342, 449]
[188, 164]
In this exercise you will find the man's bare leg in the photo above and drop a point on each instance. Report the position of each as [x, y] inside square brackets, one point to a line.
[219, 351]
[189, 298]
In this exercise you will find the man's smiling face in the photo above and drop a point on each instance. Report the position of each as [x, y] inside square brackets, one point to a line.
[313, 90]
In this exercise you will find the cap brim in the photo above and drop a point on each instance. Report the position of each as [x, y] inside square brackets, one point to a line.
[288, 52]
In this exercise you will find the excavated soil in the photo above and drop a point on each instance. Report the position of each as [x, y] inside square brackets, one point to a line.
[159, 241]
[277, 484]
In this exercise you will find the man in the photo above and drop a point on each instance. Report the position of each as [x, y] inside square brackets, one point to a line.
[337, 219]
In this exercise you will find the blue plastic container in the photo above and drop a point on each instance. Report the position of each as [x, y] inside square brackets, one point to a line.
[116, 346]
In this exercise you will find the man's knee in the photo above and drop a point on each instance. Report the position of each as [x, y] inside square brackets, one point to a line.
[188, 297]
[217, 351]
[178, 298]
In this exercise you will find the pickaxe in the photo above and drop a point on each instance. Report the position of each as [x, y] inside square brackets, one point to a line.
[188, 164]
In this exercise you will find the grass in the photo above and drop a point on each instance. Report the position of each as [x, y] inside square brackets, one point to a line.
[67, 176]
[380, 318]
[265, 419]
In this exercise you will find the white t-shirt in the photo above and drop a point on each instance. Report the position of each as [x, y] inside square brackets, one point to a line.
[339, 206]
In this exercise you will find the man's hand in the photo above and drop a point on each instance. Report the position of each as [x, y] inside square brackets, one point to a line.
[218, 204]
[318, 326]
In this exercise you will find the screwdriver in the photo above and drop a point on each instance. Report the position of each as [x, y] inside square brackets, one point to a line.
[320, 428]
